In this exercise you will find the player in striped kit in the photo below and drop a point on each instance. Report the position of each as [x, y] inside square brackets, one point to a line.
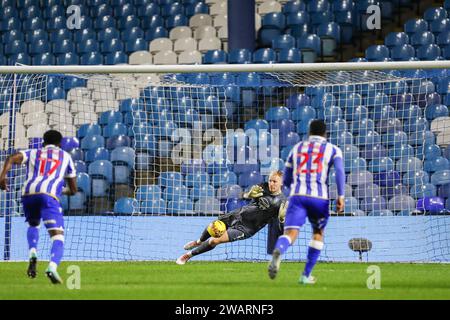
[47, 170]
[306, 173]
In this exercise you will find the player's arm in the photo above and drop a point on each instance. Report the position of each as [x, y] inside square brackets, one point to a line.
[71, 179]
[340, 180]
[72, 187]
[16, 158]
[288, 171]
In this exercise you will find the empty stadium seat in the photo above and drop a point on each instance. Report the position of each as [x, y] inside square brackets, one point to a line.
[101, 173]
[126, 206]
[215, 56]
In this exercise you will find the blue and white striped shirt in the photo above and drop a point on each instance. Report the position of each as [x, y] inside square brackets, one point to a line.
[46, 170]
[309, 164]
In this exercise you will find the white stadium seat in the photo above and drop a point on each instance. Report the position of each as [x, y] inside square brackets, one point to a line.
[77, 93]
[4, 119]
[35, 118]
[127, 92]
[62, 117]
[67, 130]
[204, 32]
[185, 44]
[200, 19]
[57, 105]
[223, 33]
[258, 22]
[85, 117]
[140, 57]
[269, 6]
[220, 20]
[165, 57]
[105, 93]
[82, 105]
[439, 124]
[31, 106]
[20, 131]
[144, 80]
[97, 82]
[106, 105]
[211, 2]
[37, 130]
[190, 57]
[160, 44]
[20, 143]
[209, 44]
[218, 8]
[180, 33]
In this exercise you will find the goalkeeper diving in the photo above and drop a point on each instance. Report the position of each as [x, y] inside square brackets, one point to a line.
[267, 202]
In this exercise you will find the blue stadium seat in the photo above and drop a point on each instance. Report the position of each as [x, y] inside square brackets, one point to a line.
[80, 166]
[422, 191]
[101, 173]
[118, 57]
[264, 55]
[33, 35]
[100, 10]
[406, 164]
[196, 8]
[154, 32]
[402, 53]
[84, 183]
[133, 45]
[367, 191]
[203, 191]
[180, 206]
[274, 20]
[53, 11]
[396, 138]
[126, 206]
[223, 178]
[432, 151]
[43, 59]
[147, 10]
[438, 164]
[12, 23]
[440, 177]
[240, 56]
[107, 35]
[111, 45]
[215, 56]
[88, 45]
[64, 46]
[11, 35]
[413, 26]
[438, 26]
[416, 177]
[83, 35]
[432, 205]
[434, 111]
[432, 14]
[148, 192]
[118, 141]
[128, 22]
[250, 178]
[92, 142]
[156, 206]
[277, 113]
[114, 129]
[170, 178]
[376, 203]
[175, 193]
[422, 39]
[89, 129]
[15, 47]
[284, 41]
[60, 35]
[360, 177]
[69, 58]
[127, 9]
[91, 58]
[396, 39]
[310, 47]
[109, 117]
[291, 55]
[377, 53]
[176, 21]
[193, 166]
[56, 23]
[8, 11]
[384, 164]
[104, 22]
[33, 24]
[97, 154]
[196, 179]
[77, 154]
[122, 159]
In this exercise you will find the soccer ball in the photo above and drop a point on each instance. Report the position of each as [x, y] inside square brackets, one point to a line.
[216, 229]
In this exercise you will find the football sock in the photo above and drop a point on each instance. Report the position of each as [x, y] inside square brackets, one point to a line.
[57, 250]
[33, 238]
[313, 254]
[204, 247]
[283, 243]
[205, 235]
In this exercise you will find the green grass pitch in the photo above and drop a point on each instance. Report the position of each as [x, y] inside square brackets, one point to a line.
[226, 280]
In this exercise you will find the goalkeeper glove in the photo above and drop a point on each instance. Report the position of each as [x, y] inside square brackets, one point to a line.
[255, 192]
[282, 211]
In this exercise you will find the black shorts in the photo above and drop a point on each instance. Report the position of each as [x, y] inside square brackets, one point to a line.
[235, 228]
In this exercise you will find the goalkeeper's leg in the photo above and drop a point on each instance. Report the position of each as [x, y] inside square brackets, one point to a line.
[193, 244]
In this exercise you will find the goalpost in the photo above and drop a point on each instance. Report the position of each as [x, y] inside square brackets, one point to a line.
[163, 150]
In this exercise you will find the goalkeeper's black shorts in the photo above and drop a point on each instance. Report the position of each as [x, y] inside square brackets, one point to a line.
[235, 228]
